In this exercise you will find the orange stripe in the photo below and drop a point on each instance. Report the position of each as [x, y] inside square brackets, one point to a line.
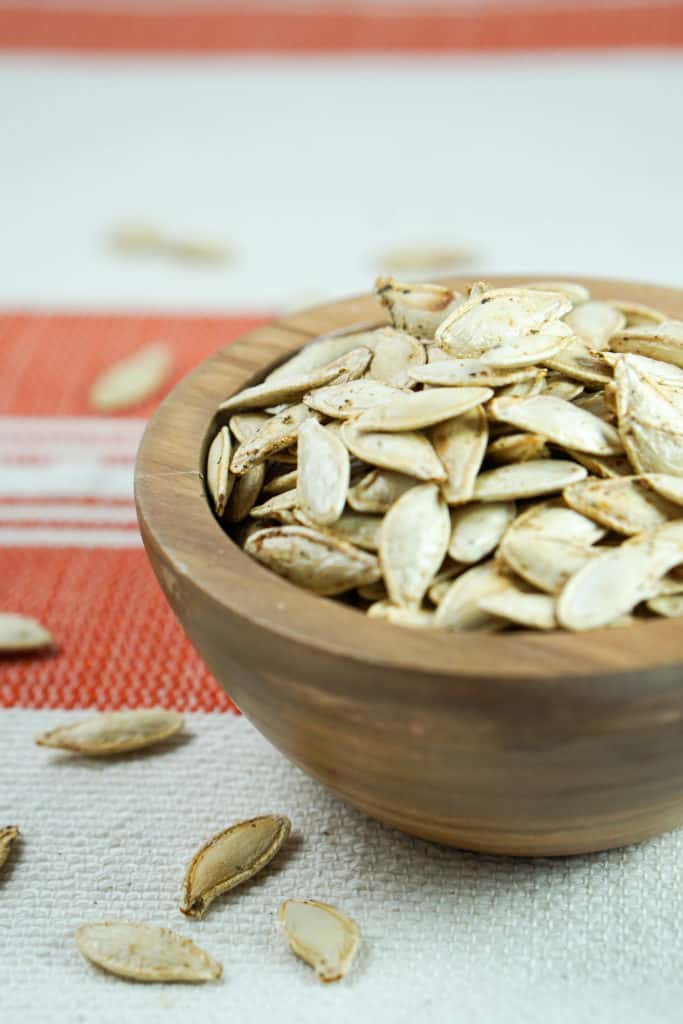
[244, 30]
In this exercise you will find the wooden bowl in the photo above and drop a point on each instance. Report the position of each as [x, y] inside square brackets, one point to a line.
[521, 743]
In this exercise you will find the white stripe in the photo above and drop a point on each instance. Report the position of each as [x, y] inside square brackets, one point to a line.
[44, 537]
[18, 452]
[55, 438]
[76, 513]
[100, 428]
[67, 480]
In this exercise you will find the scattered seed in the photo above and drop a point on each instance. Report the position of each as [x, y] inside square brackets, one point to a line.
[21, 633]
[144, 952]
[133, 380]
[321, 935]
[115, 732]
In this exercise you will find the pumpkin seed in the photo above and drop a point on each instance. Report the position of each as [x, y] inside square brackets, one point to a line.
[321, 935]
[413, 618]
[451, 372]
[413, 542]
[277, 434]
[416, 308]
[670, 606]
[287, 389]
[576, 293]
[345, 400]
[378, 490]
[7, 838]
[637, 313]
[245, 493]
[614, 583]
[477, 529]
[280, 483]
[324, 472]
[623, 504]
[314, 560]
[322, 351]
[230, 858]
[577, 361]
[21, 633]
[133, 380]
[460, 444]
[545, 562]
[415, 411]
[479, 325]
[518, 448]
[459, 608]
[275, 506]
[218, 478]
[668, 486]
[116, 732]
[144, 952]
[396, 355]
[535, 611]
[357, 528]
[559, 421]
[406, 452]
[526, 479]
[595, 322]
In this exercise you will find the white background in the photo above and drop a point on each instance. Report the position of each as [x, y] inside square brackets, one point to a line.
[311, 168]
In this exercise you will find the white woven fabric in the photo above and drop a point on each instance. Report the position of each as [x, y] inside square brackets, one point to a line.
[447, 936]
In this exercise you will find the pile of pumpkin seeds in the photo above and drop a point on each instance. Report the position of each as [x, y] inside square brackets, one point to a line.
[493, 459]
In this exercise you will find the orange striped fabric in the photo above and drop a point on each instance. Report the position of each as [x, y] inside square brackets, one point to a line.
[70, 553]
[254, 28]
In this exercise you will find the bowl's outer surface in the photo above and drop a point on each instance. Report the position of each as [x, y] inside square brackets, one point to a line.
[521, 744]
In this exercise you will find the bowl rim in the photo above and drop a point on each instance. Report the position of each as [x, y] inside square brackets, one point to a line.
[185, 540]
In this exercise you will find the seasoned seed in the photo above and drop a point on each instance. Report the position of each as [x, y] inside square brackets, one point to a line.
[406, 452]
[378, 490]
[243, 425]
[416, 308]
[482, 323]
[133, 380]
[274, 436]
[7, 838]
[21, 633]
[288, 389]
[460, 444]
[518, 448]
[668, 486]
[396, 355]
[559, 421]
[413, 618]
[230, 858]
[595, 322]
[637, 313]
[526, 479]
[459, 608]
[321, 935]
[577, 361]
[324, 472]
[576, 293]
[280, 483]
[613, 584]
[415, 411]
[413, 542]
[544, 561]
[356, 528]
[323, 351]
[342, 401]
[477, 529]
[535, 611]
[451, 372]
[623, 504]
[144, 952]
[115, 732]
[245, 493]
[670, 606]
[314, 560]
[279, 503]
[218, 477]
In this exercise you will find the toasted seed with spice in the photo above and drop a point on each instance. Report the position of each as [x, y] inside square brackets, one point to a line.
[396, 355]
[576, 293]
[323, 351]
[245, 493]
[460, 444]
[378, 490]
[595, 322]
[133, 380]
[613, 584]
[451, 372]
[668, 486]
[324, 472]
[397, 615]
[560, 421]
[21, 633]
[415, 411]
[321, 935]
[662, 341]
[280, 483]
[526, 479]
[624, 504]
[406, 452]
[637, 313]
[218, 478]
[230, 858]
[416, 308]
[413, 543]
[7, 838]
[344, 400]
[481, 324]
[545, 562]
[671, 606]
[278, 433]
[577, 361]
[477, 529]
[357, 528]
[517, 448]
[459, 608]
[144, 952]
[535, 611]
[273, 508]
[243, 425]
[115, 732]
[312, 559]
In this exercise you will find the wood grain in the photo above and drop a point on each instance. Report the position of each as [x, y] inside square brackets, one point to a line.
[522, 743]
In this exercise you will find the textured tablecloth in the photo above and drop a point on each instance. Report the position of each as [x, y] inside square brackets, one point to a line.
[310, 169]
